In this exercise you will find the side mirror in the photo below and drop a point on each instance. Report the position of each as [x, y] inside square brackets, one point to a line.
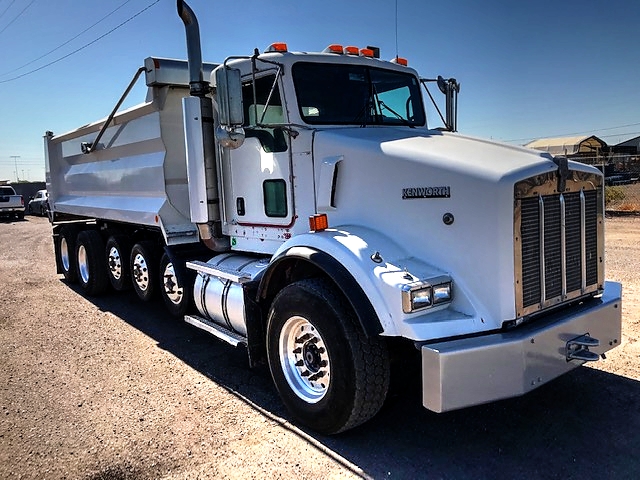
[229, 96]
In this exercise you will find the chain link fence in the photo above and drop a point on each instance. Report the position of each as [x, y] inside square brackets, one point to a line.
[622, 181]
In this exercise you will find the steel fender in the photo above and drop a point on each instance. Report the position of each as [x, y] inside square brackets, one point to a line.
[345, 254]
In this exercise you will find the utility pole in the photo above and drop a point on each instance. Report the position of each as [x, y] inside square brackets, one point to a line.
[15, 161]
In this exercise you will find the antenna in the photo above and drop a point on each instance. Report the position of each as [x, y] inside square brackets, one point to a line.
[396, 28]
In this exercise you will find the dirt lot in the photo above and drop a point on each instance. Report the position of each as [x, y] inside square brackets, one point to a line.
[112, 389]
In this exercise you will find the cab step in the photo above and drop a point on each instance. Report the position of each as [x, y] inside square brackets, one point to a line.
[216, 330]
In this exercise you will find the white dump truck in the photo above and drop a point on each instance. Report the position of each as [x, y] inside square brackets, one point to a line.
[299, 204]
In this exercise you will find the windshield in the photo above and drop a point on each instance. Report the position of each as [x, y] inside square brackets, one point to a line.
[334, 94]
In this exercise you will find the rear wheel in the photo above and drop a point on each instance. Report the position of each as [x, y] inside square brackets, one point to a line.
[66, 251]
[91, 268]
[144, 270]
[117, 252]
[175, 287]
[329, 374]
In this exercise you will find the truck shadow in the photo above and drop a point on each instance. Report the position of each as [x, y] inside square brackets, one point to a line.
[582, 425]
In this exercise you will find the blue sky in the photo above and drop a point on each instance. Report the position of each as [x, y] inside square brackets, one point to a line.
[528, 69]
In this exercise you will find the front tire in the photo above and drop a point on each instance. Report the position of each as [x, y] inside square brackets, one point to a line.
[91, 268]
[329, 374]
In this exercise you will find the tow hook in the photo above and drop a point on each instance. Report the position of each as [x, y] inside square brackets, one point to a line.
[578, 348]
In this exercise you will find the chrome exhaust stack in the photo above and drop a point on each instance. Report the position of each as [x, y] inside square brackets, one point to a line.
[210, 229]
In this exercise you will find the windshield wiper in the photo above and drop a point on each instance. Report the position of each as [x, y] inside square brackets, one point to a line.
[406, 122]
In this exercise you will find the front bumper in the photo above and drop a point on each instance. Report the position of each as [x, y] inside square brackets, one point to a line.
[471, 371]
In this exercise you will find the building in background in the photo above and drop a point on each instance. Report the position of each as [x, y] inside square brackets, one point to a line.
[586, 149]
[620, 163]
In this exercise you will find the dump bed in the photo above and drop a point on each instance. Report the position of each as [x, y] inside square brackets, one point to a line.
[137, 174]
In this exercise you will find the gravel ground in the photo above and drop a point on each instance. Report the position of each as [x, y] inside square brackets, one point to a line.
[110, 388]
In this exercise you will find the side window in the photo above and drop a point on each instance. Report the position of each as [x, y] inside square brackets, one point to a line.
[264, 109]
[275, 198]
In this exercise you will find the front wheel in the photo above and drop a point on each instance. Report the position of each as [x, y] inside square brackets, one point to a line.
[329, 374]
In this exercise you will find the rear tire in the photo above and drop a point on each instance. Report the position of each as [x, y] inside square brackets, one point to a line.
[66, 251]
[91, 267]
[117, 252]
[329, 374]
[175, 287]
[144, 270]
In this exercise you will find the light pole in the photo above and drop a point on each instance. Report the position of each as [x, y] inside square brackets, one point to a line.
[15, 161]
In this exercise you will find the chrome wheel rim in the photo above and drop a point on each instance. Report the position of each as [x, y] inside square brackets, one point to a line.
[304, 359]
[140, 272]
[172, 289]
[64, 254]
[83, 264]
[115, 263]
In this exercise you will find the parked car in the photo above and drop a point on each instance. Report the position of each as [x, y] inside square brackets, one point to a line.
[39, 205]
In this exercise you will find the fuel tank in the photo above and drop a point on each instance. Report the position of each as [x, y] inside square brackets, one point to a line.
[218, 290]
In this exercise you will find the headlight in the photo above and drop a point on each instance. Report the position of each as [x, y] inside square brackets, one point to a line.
[421, 298]
[442, 293]
[425, 294]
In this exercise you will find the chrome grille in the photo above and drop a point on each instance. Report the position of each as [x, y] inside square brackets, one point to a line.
[558, 241]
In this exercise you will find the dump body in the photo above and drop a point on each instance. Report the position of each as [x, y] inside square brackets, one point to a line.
[137, 175]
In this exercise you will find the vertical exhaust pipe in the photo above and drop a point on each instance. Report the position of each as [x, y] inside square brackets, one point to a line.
[194, 53]
[210, 232]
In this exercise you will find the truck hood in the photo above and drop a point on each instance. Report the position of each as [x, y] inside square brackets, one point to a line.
[445, 151]
[446, 199]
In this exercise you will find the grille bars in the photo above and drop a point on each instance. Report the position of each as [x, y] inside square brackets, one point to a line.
[558, 240]
[563, 247]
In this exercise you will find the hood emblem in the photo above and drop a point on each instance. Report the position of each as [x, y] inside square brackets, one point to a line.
[563, 172]
[426, 192]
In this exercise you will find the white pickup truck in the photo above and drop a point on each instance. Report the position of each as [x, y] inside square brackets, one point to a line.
[11, 204]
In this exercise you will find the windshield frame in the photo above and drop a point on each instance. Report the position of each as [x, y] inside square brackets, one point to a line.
[360, 104]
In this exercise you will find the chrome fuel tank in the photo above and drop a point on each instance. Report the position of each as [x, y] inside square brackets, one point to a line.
[220, 298]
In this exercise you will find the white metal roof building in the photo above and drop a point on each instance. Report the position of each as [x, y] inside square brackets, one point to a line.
[587, 146]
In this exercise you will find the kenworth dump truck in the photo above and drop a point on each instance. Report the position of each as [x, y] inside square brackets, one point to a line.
[299, 204]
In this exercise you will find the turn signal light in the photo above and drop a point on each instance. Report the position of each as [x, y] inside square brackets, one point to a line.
[318, 222]
[277, 47]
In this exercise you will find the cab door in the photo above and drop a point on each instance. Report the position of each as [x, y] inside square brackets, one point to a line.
[260, 205]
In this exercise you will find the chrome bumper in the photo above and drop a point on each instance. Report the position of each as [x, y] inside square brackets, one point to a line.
[471, 371]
